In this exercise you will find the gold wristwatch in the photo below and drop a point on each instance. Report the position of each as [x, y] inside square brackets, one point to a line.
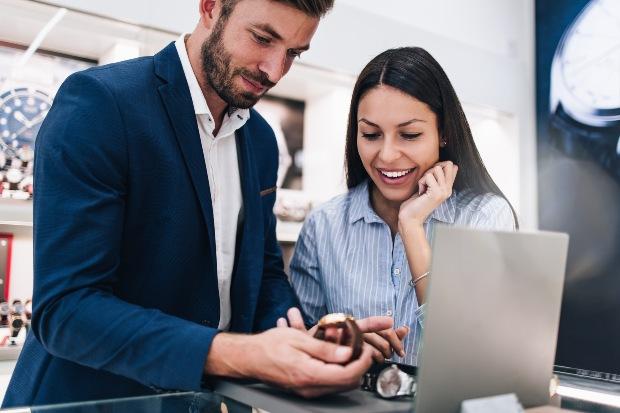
[345, 332]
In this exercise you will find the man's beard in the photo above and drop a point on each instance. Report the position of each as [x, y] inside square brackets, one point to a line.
[218, 69]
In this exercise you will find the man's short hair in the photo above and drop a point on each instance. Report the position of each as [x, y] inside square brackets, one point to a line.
[313, 8]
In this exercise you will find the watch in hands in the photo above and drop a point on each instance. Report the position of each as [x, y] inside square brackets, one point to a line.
[347, 332]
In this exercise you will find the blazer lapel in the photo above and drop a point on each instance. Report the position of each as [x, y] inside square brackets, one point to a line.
[248, 261]
[178, 103]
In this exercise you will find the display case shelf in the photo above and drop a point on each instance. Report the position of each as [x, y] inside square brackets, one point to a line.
[16, 213]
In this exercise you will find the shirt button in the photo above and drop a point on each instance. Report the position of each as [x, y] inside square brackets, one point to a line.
[389, 312]
[397, 271]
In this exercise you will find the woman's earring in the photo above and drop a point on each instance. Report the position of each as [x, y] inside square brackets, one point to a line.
[444, 143]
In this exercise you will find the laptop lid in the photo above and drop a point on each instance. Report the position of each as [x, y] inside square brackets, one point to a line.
[492, 318]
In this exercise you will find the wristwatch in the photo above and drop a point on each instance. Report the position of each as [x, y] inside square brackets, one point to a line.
[346, 332]
[5, 309]
[22, 110]
[584, 103]
[390, 380]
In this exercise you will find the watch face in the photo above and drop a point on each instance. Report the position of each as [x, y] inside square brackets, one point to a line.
[4, 308]
[587, 64]
[21, 112]
[389, 382]
[18, 308]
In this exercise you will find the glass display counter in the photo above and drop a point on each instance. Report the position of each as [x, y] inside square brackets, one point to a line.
[235, 397]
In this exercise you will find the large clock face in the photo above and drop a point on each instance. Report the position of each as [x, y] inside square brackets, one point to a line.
[591, 56]
[21, 112]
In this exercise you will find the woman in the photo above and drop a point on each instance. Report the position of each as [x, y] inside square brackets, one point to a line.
[411, 163]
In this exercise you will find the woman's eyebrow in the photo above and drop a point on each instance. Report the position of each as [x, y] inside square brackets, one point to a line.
[368, 122]
[409, 122]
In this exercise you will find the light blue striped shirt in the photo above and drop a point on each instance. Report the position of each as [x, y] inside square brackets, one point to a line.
[346, 261]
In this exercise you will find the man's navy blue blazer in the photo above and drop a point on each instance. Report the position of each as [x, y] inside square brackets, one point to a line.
[125, 285]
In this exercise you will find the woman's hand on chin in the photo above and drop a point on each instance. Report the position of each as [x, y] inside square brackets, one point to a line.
[434, 187]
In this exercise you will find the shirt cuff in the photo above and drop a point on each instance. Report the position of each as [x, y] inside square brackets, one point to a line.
[420, 314]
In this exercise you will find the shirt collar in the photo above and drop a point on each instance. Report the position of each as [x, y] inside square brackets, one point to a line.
[360, 205]
[198, 99]
[362, 209]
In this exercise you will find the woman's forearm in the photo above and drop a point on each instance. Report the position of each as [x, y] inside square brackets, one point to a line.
[418, 252]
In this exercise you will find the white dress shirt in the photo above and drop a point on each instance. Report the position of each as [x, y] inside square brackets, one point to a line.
[220, 153]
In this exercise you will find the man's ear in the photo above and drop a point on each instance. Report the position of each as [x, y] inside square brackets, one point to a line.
[206, 10]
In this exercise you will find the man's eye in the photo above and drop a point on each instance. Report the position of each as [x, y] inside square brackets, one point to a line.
[410, 136]
[261, 39]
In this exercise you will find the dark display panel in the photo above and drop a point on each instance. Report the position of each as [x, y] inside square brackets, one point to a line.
[578, 119]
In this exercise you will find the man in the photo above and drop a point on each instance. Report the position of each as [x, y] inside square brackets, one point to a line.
[154, 229]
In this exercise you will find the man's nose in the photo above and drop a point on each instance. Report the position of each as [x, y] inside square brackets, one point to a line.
[273, 65]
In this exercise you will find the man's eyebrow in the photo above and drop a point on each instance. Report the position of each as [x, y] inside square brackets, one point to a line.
[267, 28]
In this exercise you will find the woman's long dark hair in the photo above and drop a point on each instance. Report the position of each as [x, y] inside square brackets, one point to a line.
[415, 72]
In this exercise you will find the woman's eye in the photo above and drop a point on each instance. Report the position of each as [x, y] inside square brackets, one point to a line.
[410, 136]
[370, 136]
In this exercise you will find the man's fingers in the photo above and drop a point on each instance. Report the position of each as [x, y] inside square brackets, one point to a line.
[337, 377]
[281, 322]
[375, 323]
[379, 343]
[324, 350]
[295, 319]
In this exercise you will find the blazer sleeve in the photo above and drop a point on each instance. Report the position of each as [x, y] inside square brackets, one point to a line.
[80, 173]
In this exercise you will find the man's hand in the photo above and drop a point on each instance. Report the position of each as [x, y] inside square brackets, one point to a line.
[288, 358]
[378, 332]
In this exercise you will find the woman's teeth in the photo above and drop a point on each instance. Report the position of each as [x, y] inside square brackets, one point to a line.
[395, 174]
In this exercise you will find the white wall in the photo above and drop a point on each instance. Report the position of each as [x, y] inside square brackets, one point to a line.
[485, 46]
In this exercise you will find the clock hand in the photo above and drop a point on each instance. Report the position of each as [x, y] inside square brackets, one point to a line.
[595, 59]
[38, 118]
[31, 123]
[22, 130]
[21, 118]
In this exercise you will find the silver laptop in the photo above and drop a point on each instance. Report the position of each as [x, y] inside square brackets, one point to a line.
[492, 318]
